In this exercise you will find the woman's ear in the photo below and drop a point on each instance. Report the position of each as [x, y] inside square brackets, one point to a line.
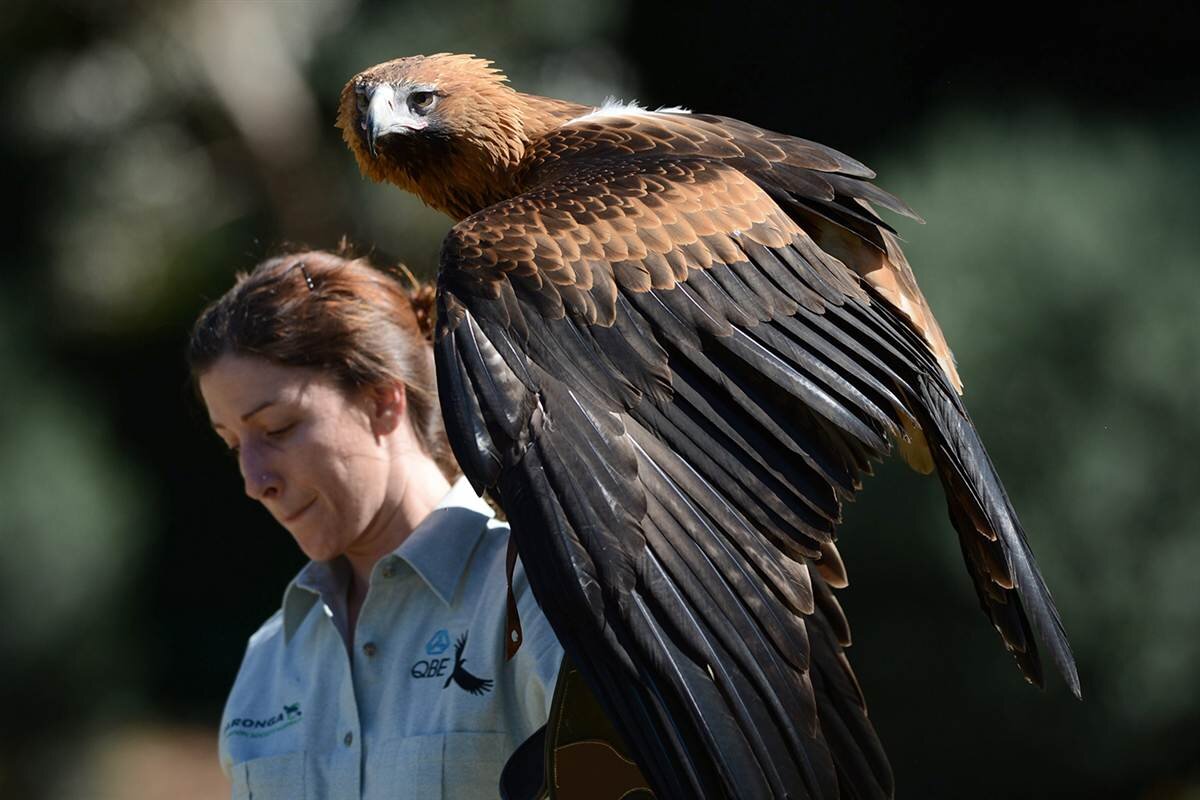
[388, 407]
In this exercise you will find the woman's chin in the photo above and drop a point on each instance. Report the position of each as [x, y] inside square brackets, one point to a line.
[321, 552]
[317, 545]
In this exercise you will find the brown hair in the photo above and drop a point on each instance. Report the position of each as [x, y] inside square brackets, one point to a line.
[325, 311]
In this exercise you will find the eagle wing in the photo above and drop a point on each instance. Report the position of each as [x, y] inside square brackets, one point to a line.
[823, 189]
[670, 388]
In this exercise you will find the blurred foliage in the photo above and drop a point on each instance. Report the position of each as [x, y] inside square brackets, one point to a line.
[1061, 259]
[154, 149]
[199, 134]
[64, 493]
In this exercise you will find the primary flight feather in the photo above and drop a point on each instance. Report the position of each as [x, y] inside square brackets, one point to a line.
[670, 344]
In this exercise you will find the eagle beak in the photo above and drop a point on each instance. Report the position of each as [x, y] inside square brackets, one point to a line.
[387, 114]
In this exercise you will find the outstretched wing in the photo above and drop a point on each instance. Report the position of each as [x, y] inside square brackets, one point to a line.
[822, 189]
[459, 646]
[671, 388]
[471, 683]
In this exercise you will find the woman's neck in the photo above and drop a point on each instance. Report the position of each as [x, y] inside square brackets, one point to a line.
[418, 487]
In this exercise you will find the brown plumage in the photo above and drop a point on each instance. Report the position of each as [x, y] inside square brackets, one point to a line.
[486, 145]
[671, 344]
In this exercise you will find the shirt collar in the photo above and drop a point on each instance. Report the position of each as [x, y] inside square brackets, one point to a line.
[438, 550]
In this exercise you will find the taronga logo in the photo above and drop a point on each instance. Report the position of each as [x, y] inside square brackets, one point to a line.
[439, 644]
[258, 728]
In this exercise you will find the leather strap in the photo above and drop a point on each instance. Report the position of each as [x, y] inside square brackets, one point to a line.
[513, 635]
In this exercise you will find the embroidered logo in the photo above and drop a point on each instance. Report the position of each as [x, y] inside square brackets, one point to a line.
[435, 667]
[258, 728]
[465, 680]
[439, 644]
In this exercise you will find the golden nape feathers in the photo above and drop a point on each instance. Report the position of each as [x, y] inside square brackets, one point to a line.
[445, 127]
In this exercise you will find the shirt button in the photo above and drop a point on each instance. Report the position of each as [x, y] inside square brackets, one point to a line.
[369, 649]
[389, 570]
[348, 739]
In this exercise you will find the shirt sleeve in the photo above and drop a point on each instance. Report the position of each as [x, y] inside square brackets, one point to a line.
[243, 681]
[222, 740]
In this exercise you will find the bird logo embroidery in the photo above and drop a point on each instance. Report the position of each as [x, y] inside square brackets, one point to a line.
[465, 680]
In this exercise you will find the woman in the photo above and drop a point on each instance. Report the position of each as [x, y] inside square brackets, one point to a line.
[384, 673]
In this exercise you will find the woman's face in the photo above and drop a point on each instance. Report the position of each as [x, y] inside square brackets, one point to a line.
[307, 449]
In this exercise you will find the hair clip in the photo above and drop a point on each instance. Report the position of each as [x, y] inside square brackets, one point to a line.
[307, 278]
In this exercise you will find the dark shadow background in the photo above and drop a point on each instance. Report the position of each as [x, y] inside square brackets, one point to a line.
[150, 150]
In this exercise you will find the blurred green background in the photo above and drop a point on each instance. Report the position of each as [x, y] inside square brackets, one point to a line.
[152, 149]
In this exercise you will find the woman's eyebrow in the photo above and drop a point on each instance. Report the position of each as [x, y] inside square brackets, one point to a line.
[260, 407]
[257, 409]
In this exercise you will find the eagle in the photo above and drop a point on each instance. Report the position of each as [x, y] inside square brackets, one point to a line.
[670, 345]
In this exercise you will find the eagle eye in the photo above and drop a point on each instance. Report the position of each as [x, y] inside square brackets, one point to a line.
[421, 102]
[362, 99]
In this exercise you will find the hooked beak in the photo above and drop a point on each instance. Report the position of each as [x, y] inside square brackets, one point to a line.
[387, 114]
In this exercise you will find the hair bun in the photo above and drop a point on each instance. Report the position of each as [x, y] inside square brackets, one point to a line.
[423, 297]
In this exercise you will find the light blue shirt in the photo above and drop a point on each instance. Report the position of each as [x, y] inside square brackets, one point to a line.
[400, 715]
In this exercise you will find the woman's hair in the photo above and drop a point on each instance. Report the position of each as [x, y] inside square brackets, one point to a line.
[341, 315]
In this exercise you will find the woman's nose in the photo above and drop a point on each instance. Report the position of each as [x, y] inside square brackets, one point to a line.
[261, 481]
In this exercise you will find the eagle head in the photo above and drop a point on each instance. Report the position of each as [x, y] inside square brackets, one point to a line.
[441, 126]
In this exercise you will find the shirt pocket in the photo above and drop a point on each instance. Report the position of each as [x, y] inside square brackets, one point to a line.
[278, 777]
[442, 766]
[472, 763]
[408, 767]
